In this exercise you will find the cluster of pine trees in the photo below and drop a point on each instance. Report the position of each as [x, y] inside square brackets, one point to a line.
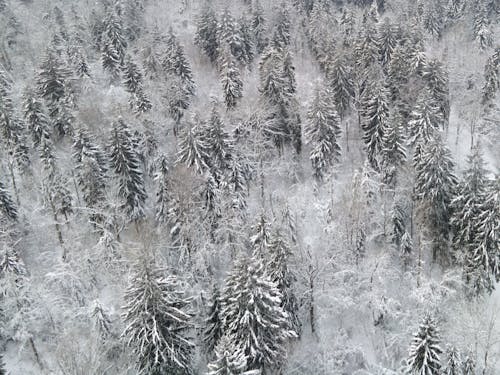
[120, 176]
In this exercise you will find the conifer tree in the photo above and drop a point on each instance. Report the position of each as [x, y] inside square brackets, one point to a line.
[261, 235]
[175, 63]
[102, 322]
[132, 77]
[163, 191]
[393, 150]
[254, 319]
[2, 365]
[436, 78]
[219, 144]
[259, 26]
[453, 364]
[125, 161]
[35, 118]
[434, 18]
[406, 249]
[491, 76]
[469, 364]
[341, 83]
[246, 39]
[232, 85]
[375, 116]
[425, 119]
[280, 272]
[7, 205]
[213, 328]
[193, 149]
[323, 132]
[434, 186]
[115, 35]
[178, 100]
[424, 354]
[387, 41]
[366, 48]
[228, 34]
[52, 77]
[206, 32]
[481, 26]
[229, 360]
[156, 316]
[282, 27]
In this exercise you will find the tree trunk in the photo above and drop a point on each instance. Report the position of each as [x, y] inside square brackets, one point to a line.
[14, 185]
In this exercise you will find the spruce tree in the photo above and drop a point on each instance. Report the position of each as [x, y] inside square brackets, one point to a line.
[229, 360]
[280, 272]
[102, 322]
[434, 18]
[339, 77]
[175, 63]
[132, 76]
[213, 327]
[259, 26]
[193, 149]
[156, 316]
[115, 35]
[434, 187]
[436, 78]
[469, 364]
[232, 85]
[491, 77]
[253, 317]
[453, 364]
[7, 206]
[163, 191]
[261, 235]
[2, 365]
[35, 118]
[424, 354]
[322, 132]
[206, 32]
[406, 249]
[219, 144]
[246, 39]
[52, 77]
[393, 150]
[282, 27]
[425, 119]
[375, 116]
[387, 41]
[125, 161]
[481, 26]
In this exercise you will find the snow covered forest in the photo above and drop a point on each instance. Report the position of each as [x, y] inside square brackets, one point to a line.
[252, 187]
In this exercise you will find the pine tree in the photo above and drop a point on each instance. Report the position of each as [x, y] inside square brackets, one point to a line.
[280, 272]
[434, 187]
[436, 78]
[424, 353]
[156, 316]
[366, 48]
[387, 41]
[398, 218]
[323, 132]
[434, 18]
[213, 328]
[254, 319]
[481, 26]
[282, 27]
[115, 35]
[206, 32]
[453, 362]
[125, 161]
[261, 236]
[7, 205]
[232, 85]
[375, 116]
[228, 34]
[178, 100]
[406, 249]
[246, 40]
[37, 121]
[2, 365]
[193, 149]
[52, 77]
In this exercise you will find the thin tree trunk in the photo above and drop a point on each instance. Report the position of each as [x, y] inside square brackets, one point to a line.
[76, 188]
[14, 185]
[35, 352]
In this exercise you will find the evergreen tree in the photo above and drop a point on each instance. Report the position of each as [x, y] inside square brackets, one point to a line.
[282, 27]
[259, 27]
[219, 144]
[375, 116]
[469, 364]
[132, 77]
[453, 364]
[175, 63]
[393, 150]
[163, 193]
[434, 187]
[102, 322]
[246, 40]
[280, 272]
[425, 119]
[2, 365]
[254, 319]
[232, 85]
[139, 101]
[206, 32]
[7, 205]
[37, 121]
[434, 18]
[424, 353]
[125, 161]
[481, 26]
[229, 35]
[341, 83]
[91, 168]
[177, 97]
[229, 360]
[436, 78]
[323, 132]
[213, 332]
[193, 149]
[492, 77]
[52, 77]
[387, 41]
[261, 235]
[156, 316]
[406, 249]
[115, 35]
[366, 48]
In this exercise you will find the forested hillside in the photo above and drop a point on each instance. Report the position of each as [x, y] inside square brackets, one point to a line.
[296, 187]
